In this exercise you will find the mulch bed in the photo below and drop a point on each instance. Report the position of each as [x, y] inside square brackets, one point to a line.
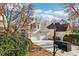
[38, 51]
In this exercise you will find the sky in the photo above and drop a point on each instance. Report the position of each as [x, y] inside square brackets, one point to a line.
[49, 11]
[48, 6]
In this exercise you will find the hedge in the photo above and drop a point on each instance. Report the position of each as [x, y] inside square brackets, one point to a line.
[14, 45]
[73, 38]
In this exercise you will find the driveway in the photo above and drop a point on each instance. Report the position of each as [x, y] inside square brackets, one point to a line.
[48, 45]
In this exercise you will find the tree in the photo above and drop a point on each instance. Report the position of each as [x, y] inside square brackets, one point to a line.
[16, 14]
[73, 11]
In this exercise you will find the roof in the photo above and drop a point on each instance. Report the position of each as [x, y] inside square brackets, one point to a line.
[58, 26]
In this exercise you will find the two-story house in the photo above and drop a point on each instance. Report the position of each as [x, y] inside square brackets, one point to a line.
[61, 30]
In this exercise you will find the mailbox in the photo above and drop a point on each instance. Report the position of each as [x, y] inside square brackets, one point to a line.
[65, 46]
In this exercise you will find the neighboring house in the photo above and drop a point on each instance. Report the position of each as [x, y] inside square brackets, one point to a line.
[41, 30]
[33, 27]
[61, 30]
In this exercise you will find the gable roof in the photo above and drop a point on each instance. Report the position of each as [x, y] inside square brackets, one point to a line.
[58, 26]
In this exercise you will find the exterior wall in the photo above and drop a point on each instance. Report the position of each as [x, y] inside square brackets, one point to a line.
[58, 34]
[70, 29]
[61, 34]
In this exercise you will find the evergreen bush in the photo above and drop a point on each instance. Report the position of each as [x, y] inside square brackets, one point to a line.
[14, 45]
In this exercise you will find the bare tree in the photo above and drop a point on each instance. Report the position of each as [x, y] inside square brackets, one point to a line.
[17, 13]
[73, 10]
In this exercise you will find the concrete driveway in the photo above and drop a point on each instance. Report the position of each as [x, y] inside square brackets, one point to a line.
[48, 45]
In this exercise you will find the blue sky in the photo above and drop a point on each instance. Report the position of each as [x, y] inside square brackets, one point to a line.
[49, 11]
[48, 6]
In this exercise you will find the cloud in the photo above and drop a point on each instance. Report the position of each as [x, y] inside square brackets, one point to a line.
[50, 14]
[48, 17]
[61, 13]
[45, 16]
[38, 11]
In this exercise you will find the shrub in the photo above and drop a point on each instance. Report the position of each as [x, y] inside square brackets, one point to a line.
[65, 38]
[14, 46]
[74, 38]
